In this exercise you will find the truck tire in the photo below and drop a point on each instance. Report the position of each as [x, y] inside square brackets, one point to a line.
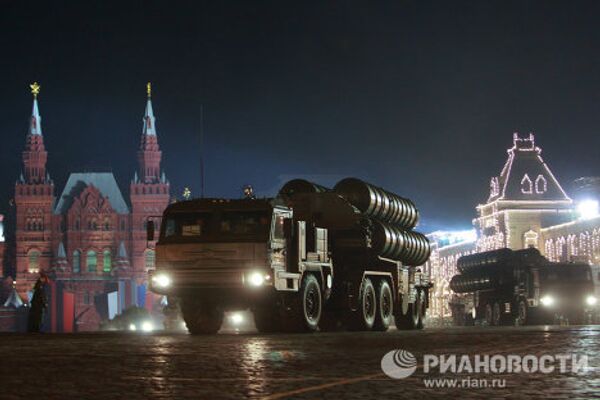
[385, 307]
[420, 304]
[201, 318]
[522, 314]
[410, 320]
[363, 319]
[489, 315]
[305, 307]
[496, 315]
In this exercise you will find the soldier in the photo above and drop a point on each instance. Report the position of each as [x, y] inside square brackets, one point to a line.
[38, 304]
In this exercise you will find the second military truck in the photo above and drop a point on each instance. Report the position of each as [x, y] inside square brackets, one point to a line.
[506, 287]
[309, 259]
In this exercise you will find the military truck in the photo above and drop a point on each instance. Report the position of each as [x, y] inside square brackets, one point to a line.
[506, 287]
[310, 259]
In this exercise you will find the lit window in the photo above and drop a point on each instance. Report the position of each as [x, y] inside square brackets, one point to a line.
[541, 185]
[34, 257]
[526, 185]
[76, 261]
[106, 261]
[91, 261]
[150, 259]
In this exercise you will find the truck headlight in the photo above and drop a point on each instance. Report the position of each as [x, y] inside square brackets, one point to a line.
[591, 300]
[256, 279]
[547, 300]
[161, 280]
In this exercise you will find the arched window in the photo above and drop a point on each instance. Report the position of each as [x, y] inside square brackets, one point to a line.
[106, 224]
[76, 261]
[541, 185]
[123, 225]
[149, 259]
[77, 224]
[91, 261]
[106, 261]
[34, 261]
[526, 185]
[531, 239]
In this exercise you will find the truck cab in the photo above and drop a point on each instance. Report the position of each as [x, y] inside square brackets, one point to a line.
[216, 255]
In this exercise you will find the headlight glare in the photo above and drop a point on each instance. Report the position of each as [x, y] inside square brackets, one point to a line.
[161, 280]
[591, 300]
[256, 279]
[547, 300]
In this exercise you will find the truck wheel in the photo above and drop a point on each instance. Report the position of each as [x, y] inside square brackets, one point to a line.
[385, 307]
[522, 313]
[363, 319]
[489, 315]
[306, 306]
[496, 316]
[410, 320]
[201, 318]
[420, 309]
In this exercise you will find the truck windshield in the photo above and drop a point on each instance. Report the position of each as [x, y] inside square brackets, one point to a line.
[217, 226]
[566, 274]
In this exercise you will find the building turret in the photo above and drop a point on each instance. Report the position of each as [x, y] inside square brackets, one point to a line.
[34, 197]
[149, 191]
[149, 154]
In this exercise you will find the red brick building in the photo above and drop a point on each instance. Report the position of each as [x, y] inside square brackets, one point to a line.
[90, 239]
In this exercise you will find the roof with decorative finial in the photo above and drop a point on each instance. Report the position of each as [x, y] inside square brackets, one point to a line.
[525, 176]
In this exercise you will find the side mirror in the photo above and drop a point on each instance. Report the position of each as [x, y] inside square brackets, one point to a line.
[150, 230]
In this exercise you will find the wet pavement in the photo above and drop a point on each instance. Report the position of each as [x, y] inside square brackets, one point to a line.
[321, 366]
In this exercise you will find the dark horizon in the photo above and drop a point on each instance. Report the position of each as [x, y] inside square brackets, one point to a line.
[421, 98]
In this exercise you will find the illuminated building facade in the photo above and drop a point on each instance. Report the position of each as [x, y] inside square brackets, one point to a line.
[90, 240]
[526, 207]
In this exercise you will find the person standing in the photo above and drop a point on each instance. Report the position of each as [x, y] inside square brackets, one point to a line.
[38, 304]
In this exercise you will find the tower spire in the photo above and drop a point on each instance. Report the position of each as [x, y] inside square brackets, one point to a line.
[35, 127]
[149, 154]
[35, 155]
[149, 127]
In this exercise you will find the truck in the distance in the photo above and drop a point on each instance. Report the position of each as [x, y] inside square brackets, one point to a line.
[506, 287]
[311, 258]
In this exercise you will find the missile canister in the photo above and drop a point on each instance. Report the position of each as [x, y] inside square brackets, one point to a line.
[411, 248]
[378, 203]
[301, 186]
[480, 261]
[492, 277]
[475, 261]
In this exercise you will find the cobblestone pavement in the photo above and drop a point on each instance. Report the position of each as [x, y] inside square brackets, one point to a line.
[321, 366]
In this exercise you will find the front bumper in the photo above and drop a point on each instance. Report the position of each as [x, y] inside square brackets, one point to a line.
[188, 280]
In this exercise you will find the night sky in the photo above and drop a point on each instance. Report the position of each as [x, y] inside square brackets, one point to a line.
[419, 97]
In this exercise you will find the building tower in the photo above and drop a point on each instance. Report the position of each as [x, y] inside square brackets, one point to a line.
[34, 198]
[524, 199]
[149, 192]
